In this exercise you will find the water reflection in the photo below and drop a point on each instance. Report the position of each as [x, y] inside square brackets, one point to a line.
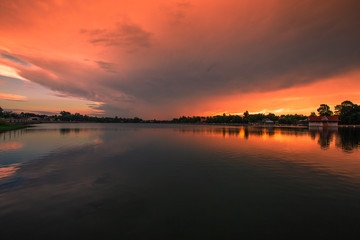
[6, 171]
[347, 139]
[24, 145]
[10, 146]
[324, 136]
[140, 181]
[66, 131]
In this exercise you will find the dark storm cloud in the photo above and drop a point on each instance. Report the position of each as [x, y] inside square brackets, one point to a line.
[304, 42]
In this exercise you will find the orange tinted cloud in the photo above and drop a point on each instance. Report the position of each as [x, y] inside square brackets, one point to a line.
[12, 97]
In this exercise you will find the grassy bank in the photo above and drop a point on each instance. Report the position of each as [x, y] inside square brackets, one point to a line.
[9, 127]
[5, 126]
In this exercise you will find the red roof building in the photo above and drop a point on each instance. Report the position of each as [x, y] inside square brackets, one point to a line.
[323, 121]
[323, 118]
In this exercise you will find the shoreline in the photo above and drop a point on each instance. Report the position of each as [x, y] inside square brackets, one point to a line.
[10, 127]
[5, 128]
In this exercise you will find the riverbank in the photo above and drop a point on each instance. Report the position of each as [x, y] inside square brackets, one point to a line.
[350, 126]
[9, 127]
[256, 125]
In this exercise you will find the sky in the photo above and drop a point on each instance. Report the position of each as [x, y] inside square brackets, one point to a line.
[167, 58]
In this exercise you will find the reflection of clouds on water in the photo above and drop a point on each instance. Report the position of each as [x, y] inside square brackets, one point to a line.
[98, 141]
[6, 171]
[33, 143]
[10, 146]
[47, 139]
[108, 140]
[135, 175]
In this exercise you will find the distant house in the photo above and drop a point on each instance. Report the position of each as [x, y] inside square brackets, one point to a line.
[323, 121]
[303, 122]
[33, 119]
[267, 121]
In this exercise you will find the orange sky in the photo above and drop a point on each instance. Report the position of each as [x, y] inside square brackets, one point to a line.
[166, 58]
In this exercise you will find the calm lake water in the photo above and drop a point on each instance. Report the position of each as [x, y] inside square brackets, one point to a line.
[144, 181]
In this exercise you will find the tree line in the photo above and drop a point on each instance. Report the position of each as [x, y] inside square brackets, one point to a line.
[348, 112]
[65, 116]
[77, 117]
[245, 119]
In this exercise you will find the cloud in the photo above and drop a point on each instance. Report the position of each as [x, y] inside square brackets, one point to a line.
[177, 13]
[12, 97]
[168, 56]
[10, 72]
[74, 78]
[124, 34]
[107, 66]
[31, 87]
[14, 59]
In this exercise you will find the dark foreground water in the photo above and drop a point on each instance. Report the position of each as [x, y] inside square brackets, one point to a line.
[134, 181]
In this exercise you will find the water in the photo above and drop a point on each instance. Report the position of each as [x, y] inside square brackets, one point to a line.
[134, 181]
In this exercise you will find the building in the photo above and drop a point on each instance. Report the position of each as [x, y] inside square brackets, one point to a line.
[323, 121]
[267, 121]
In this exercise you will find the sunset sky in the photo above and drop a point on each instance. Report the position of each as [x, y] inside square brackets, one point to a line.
[166, 58]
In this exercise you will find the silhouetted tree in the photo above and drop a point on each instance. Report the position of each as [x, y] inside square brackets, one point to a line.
[246, 114]
[272, 117]
[324, 110]
[349, 112]
[291, 119]
[65, 116]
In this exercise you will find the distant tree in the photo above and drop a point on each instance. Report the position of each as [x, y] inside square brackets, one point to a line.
[65, 116]
[324, 110]
[272, 117]
[77, 117]
[313, 114]
[136, 120]
[348, 112]
[1, 112]
[64, 113]
[345, 108]
[246, 113]
[291, 119]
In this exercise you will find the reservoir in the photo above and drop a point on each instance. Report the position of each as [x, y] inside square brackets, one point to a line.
[168, 181]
